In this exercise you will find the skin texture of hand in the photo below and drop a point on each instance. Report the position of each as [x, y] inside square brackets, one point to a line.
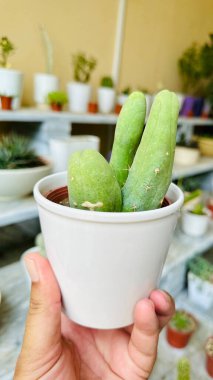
[54, 348]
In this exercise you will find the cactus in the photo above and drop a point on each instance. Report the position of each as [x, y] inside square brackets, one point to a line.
[151, 171]
[183, 369]
[128, 133]
[92, 184]
[107, 82]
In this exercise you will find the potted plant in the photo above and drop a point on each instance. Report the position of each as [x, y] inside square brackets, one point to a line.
[195, 220]
[121, 98]
[180, 329]
[57, 100]
[205, 143]
[20, 167]
[46, 82]
[79, 91]
[11, 81]
[186, 152]
[183, 369]
[200, 282]
[112, 243]
[106, 95]
[209, 356]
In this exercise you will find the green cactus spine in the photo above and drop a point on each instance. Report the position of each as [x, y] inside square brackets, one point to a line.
[151, 171]
[183, 369]
[128, 133]
[92, 184]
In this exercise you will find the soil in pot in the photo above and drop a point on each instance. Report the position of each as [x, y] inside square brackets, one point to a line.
[209, 356]
[56, 107]
[6, 102]
[180, 329]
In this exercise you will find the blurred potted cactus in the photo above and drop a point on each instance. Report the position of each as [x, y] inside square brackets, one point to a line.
[20, 167]
[209, 356]
[200, 282]
[11, 81]
[195, 217]
[79, 91]
[180, 329]
[57, 100]
[112, 212]
[183, 369]
[46, 82]
[106, 95]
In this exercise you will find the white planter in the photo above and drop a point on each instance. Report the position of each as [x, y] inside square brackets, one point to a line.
[62, 147]
[17, 183]
[104, 261]
[121, 99]
[11, 84]
[186, 156]
[43, 84]
[79, 96]
[200, 292]
[194, 225]
[106, 99]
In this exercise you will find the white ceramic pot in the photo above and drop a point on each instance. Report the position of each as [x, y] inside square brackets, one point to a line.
[62, 147]
[17, 183]
[11, 84]
[186, 156]
[194, 225]
[121, 99]
[43, 84]
[79, 96]
[106, 99]
[104, 261]
[200, 292]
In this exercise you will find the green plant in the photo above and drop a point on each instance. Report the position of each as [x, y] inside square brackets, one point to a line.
[83, 67]
[48, 49]
[202, 268]
[182, 321]
[6, 49]
[189, 196]
[151, 171]
[56, 97]
[190, 68]
[126, 91]
[128, 133]
[183, 369]
[107, 82]
[198, 209]
[15, 153]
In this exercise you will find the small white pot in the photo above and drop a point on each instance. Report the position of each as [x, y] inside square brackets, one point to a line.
[121, 99]
[62, 147]
[11, 84]
[194, 225]
[106, 99]
[43, 84]
[17, 183]
[186, 156]
[79, 96]
[200, 292]
[104, 261]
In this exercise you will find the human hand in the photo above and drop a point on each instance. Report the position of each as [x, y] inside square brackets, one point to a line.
[55, 348]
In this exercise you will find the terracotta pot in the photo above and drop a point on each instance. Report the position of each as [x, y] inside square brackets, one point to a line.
[209, 358]
[56, 107]
[118, 108]
[92, 108]
[6, 102]
[179, 339]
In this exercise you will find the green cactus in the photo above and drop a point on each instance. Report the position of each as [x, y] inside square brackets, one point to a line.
[92, 184]
[128, 133]
[151, 171]
[183, 369]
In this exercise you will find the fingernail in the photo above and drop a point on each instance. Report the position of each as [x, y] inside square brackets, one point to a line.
[32, 269]
[166, 296]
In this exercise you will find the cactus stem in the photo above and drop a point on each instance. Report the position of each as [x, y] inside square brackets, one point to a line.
[91, 206]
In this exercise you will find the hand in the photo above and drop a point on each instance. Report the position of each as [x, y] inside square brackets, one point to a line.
[54, 348]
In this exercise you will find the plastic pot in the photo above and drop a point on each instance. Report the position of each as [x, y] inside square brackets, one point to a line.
[209, 355]
[200, 292]
[106, 99]
[6, 102]
[177, 338]
[11, 85]
[92, 107]
[104, 261]
[56, 107]
[79, 96]
[195, 225]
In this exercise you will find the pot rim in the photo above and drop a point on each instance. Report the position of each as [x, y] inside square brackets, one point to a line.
[43, 186]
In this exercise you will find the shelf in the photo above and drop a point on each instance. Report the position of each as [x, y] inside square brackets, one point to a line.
[204, 164]
[17, 211]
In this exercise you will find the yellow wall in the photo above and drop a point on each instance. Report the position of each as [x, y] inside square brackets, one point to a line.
[156, 32]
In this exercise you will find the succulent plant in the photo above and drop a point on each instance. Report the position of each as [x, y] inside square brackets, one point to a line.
[15, 153]
[182, 321]
[202, 268]
[6, 48]
[183, 369]
[107, 82]
[56, 97]
[83, 67]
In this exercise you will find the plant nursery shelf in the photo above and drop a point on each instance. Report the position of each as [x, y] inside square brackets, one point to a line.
[205, 164]
[17, 211]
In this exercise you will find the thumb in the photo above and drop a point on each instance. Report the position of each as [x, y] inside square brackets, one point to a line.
[43, 325]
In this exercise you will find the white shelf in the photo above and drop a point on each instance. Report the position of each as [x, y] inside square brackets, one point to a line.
[204, 164]
[17, 211]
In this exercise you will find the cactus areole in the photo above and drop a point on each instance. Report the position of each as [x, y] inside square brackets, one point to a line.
[140, 170]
